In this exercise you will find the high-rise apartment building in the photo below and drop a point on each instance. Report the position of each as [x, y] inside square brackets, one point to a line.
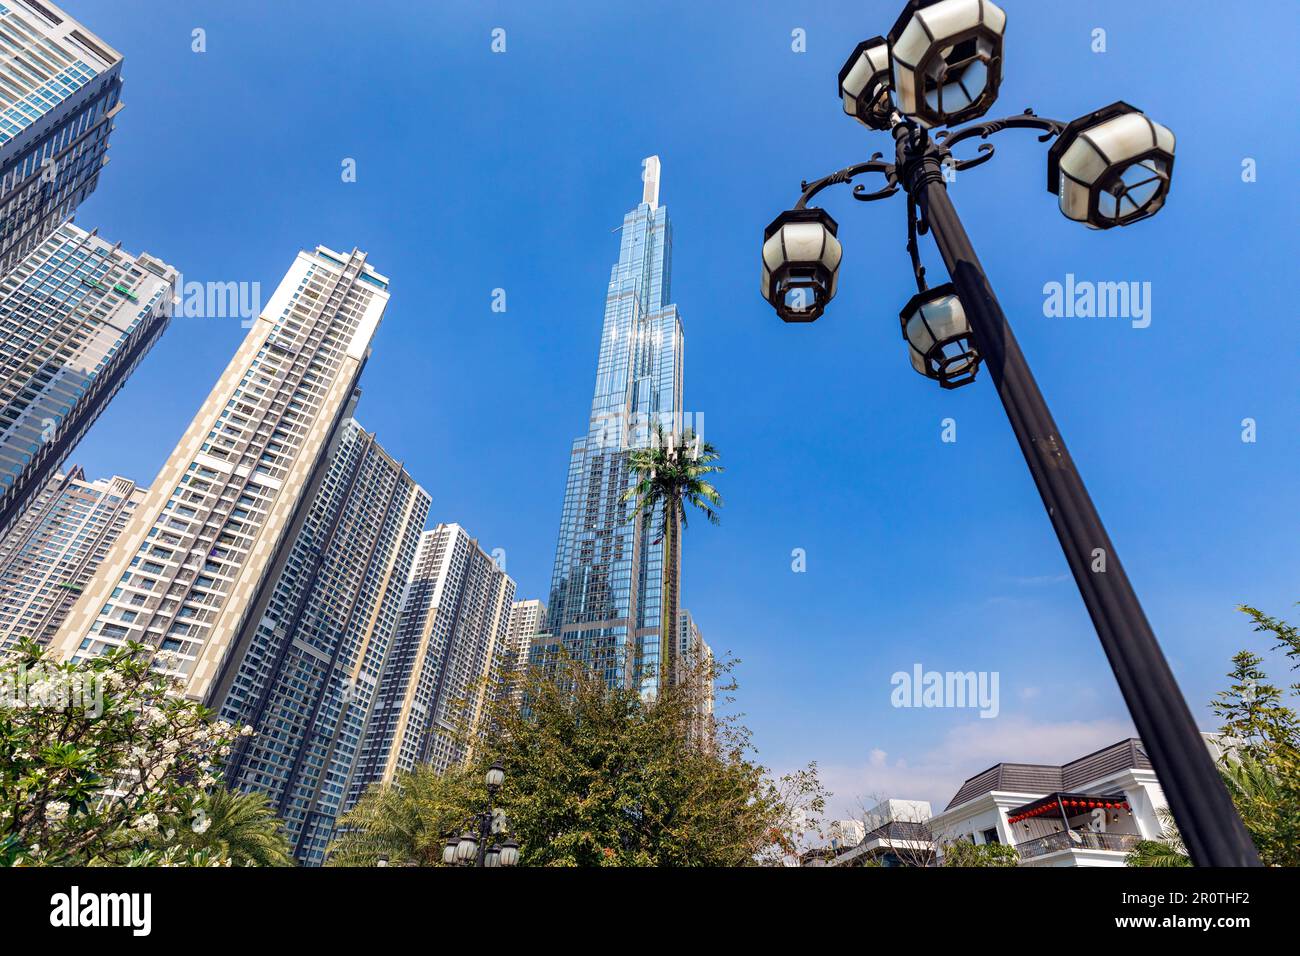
[607, 589]
[54, 548]
[527, 620]
[187, 572]
[445, 664]
[305, 667]
[694, 670]
[76, 316]
[60, 88]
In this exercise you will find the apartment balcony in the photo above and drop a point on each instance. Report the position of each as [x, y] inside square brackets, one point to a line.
[1077, 840]
[1075, 829]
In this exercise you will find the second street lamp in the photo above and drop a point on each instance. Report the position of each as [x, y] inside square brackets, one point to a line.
[477, 846]
[938, 337]
[1109, 168]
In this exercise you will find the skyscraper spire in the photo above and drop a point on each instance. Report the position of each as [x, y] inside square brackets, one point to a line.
[650, 176]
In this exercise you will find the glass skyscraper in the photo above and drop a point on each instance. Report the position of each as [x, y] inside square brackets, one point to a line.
[607, 588]
[60, 89]
[77, 314]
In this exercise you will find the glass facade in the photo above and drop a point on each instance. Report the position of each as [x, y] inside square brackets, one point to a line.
[76, 316]
[606, 599]
[60, 89]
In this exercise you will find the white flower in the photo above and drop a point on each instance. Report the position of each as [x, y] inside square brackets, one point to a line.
[147, 822]
[246, 730]
[201, 826]
[56, 810]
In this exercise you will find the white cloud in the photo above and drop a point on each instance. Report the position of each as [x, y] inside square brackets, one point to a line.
[935, 774]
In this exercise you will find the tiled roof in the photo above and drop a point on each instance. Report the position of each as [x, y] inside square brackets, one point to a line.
[1043, 778]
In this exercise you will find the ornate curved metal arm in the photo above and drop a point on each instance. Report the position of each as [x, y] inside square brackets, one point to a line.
[947, 139]
[874, 165]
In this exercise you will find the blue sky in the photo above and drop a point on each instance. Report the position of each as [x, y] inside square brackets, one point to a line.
[478, 171]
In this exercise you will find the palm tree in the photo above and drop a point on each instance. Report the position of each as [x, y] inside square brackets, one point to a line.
[239, 826]
[671, 474]
[407, 820]
[1168, 850]
[1266, 795]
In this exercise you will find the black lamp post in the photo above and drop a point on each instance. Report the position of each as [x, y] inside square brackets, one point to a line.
[1109, 168]
[476, 846]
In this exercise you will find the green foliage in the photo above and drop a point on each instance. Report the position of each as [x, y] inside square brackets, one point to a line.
[239, 827]
[1255, 719]
[1286, 635]
[408, 821]
[1261, 735]
[1155, 853]
[1267, 795]
[669, 475]
[672, 473]
[965, 853]
[596, 777]
[103, 763]
[1168, 850]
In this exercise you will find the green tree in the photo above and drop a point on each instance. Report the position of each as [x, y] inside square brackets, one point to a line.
[1267, 795]
[407, 821]
[95, 757]
[598, 777]
[671, 474]
[1256, 721]
[965, 853]
[1260, 734]
[239, 827]
[1286, 635]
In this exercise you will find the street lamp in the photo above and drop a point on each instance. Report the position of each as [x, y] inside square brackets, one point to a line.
[947, 57]
[1109, 168]
[477, 845]
[467, 848]
[801, 259]
[865, 83]
[939, 337]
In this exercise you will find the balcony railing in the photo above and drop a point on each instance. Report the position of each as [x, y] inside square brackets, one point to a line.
[1077, 840]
